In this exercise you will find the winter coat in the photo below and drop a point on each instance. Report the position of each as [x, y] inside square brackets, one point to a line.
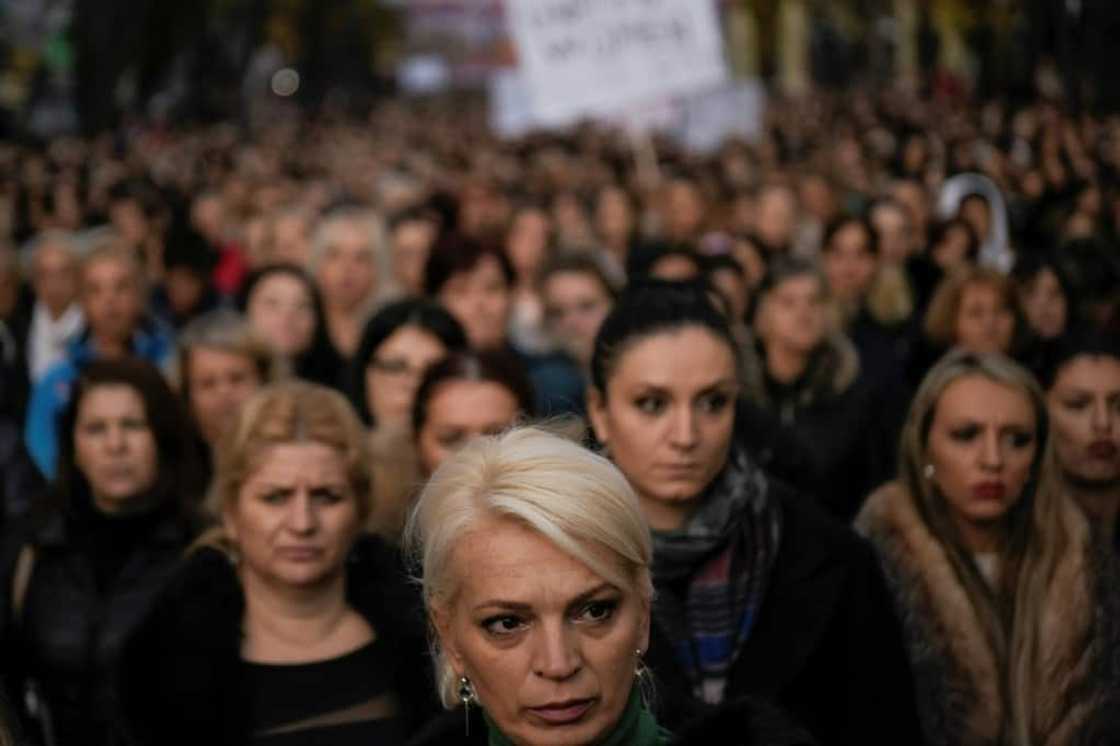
[957, 673]
[838, 412]
[182, 679]
[826, 646]
[60, 651]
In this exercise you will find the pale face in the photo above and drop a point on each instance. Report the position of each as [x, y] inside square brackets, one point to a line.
[394, 373]
[220, 382]
[982, 442]
[295, 517]
[1084, 406]
[849, 263]
[793, 315]
[549, 646]
[114, 447]
[480, 301]
[346, 274]
[111, 300]
[575, 305]
[282, 312]
[459, 411]
[1044, 305]
[667, 418]
[984, 322]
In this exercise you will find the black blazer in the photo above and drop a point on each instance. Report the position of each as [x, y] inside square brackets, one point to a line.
[827, 647]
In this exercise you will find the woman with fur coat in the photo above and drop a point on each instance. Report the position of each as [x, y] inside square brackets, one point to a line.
[1009, 616]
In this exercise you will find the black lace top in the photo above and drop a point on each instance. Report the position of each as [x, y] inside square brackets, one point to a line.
[337, 702]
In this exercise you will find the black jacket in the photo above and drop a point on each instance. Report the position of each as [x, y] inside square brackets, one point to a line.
[826, 647]
[842, 413]
[90, 585]
[181, 674]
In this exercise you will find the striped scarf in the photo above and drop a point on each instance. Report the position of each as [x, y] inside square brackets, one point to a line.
[723, 558]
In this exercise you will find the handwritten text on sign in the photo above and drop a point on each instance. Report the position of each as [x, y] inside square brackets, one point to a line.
[587, 57]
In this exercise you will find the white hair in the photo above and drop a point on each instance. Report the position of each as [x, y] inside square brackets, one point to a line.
[574, 498]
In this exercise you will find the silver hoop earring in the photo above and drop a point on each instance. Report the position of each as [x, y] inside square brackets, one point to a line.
[928, 471]
[467, 697]
[640, 669]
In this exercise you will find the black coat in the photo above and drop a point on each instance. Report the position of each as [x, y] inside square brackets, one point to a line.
[181, 673]
[90, 585]
[826, 648]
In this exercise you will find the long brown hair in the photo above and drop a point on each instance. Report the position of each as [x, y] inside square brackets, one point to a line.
[1042, 528]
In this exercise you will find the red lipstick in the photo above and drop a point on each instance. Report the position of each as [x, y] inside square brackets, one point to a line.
[1103, 449]
[989, 491]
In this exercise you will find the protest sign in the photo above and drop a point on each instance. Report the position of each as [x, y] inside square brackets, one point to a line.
[587, 58]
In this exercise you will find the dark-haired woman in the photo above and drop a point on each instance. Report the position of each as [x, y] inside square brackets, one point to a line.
[283, 307]
[757, 592]
[81, 575]
[466, 395]
[1046, 303]
[397, 347]
[1083, 397]
[474, 281]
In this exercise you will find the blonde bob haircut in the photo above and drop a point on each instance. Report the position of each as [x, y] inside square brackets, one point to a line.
[1042, 527]
[940, 323]
[282, 414]
[572, 497]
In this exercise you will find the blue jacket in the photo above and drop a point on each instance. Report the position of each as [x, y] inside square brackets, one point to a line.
[49, 397]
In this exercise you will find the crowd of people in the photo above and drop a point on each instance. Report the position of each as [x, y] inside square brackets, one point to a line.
[830, 453]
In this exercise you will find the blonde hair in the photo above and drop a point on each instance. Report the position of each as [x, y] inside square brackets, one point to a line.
[1042, 528]
[282, 413]
[574, 498]
[944, 308]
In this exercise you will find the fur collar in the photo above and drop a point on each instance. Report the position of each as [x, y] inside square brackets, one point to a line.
[958, 673]
[832, 370]
[957, 670]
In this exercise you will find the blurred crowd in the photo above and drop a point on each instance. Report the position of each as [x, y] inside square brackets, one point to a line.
[449, 284]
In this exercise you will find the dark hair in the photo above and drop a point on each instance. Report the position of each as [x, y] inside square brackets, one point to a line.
[652, 307]
[489, 366]
[841, 222]
[177, 472]
[454, 254]
[942, 229]
[642, 259]
[418, 312]
[1028, 266]
[312, 363]
[579, 262]
[1070, 347]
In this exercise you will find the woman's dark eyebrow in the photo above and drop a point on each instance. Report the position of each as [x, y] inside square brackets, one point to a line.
[591, 593]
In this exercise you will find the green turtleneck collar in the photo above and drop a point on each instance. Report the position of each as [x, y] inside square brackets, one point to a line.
[636, 727]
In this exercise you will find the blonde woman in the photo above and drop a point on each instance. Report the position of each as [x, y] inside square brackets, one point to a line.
[536, 568]
[992, 569]
[286, 624]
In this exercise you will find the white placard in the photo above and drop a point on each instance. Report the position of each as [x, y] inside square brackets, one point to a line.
[597, 57]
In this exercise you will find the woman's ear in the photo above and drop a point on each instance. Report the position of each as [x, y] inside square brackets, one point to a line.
[597, 414]
[441, 622]
[229, 524]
